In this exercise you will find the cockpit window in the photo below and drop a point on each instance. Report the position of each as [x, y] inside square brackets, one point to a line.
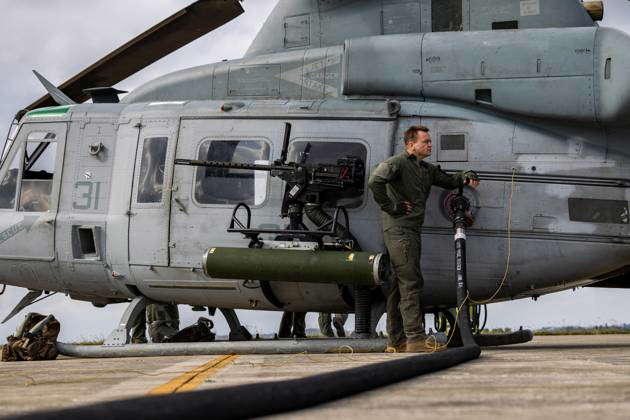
[151, 183]
[38, 172]
[232, 186]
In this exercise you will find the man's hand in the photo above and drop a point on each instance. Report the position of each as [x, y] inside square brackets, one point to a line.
[471, 178]
[403, 208]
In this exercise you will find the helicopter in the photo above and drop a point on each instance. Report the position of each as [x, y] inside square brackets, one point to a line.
[108, 224]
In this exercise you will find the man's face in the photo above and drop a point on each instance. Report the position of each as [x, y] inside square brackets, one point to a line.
[422, 147]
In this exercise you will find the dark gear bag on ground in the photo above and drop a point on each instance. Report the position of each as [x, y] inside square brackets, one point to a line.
[35, 339]
[196, 333]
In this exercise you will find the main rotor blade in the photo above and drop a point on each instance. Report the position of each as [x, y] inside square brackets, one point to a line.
[174, 32]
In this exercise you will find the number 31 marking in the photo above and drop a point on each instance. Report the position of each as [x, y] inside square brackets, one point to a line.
[88, 191]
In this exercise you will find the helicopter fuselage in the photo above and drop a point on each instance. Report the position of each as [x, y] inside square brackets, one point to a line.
[104, 215]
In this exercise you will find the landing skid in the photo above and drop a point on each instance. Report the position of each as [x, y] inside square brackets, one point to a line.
[237, 331]
[122, 335]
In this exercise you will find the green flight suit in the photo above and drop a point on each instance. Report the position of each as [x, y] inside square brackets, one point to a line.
[292, 325]
[325, 319]
[163, 320]
[405, 178]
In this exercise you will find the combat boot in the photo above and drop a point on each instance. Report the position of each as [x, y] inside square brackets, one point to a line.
[395, 348]
[423, 344]
[341, 332]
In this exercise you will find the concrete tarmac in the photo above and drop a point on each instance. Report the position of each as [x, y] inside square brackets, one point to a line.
[565, 377]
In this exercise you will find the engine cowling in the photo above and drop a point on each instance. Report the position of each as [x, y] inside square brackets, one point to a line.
[572, 74]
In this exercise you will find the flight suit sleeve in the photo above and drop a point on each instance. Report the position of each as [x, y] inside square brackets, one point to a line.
[381, 176]
[444, 180]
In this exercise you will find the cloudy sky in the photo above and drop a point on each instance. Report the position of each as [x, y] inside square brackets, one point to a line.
[61, 37]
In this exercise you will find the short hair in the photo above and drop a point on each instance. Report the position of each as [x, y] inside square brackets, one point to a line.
[412, 132]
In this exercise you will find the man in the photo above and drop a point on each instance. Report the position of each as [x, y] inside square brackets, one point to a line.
[163, 320]
[324, 320]
[401, 186]
[292, 325]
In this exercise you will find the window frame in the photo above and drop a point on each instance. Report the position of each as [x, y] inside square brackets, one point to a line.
[193, 194]
[367, 162]
[26, 141]
[161, 202]
[168, 170]
[22, 136]
[18, 150]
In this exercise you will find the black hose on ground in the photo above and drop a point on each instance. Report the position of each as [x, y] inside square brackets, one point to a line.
[495, 340]
[261, 399]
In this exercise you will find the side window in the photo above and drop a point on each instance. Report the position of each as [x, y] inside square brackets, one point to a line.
[232, 186]
[38, 171]
[151, 182]
[446, 15]
[8, 186]
[329, 153]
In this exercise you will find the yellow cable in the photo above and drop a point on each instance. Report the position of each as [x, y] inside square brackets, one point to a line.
[452, 332]
[509, 251]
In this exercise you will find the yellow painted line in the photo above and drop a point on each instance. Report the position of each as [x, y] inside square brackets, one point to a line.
[191, 380]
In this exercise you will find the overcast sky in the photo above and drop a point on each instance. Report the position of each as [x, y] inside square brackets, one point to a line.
[61, 37]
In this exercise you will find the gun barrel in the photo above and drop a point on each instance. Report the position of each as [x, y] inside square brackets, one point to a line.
[231, 165]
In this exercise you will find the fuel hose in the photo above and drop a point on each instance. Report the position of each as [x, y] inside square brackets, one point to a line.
[266, 398]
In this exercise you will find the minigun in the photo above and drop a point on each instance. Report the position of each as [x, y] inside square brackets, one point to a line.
[305, 183]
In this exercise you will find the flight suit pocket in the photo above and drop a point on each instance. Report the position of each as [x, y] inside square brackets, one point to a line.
[398, 247]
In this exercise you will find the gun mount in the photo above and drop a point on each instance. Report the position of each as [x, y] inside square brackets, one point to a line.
[306, 184]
